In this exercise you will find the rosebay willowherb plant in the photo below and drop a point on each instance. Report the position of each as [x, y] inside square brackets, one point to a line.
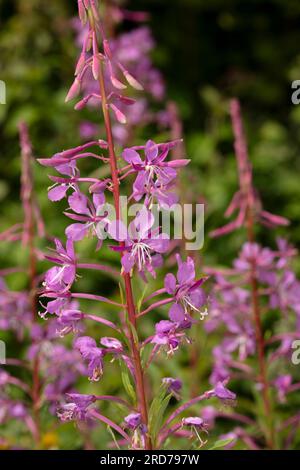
[256, 304]
[33, 382]
[140, 425]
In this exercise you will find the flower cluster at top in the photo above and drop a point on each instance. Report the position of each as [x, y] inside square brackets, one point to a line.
[133, 50]
[115, 55]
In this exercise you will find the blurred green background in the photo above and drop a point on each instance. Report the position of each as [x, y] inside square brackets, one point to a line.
[208, 52]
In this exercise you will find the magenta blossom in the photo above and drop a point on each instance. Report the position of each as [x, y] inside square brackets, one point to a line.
[222, 360]
[163, 194]
[57, 306]
[59, 190]
[196, 424]
[69, 322]
[140, 243]
[133, 421]
[15, 310]
[112, 343]
[76, 408]
[86, 212]
[254, 253]
[282, 383]
[223, 394]
[193, 421]
[186, 291]
[167, 336]
[89, 351]
[60, 278]
[153, 169]
[174, 386]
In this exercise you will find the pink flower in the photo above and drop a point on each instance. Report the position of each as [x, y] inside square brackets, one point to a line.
[89, 351]
[76, 408]
[60, 278]
[167, 336]
[186, 291]
[86, 213]
[223, 394]
[133, 421]
[139, 243]
[154, 169]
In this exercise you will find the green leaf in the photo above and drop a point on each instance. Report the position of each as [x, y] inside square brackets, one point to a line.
[133, 332]
[127, 382]
[157, 411]
[145, 354]
[140, 300]
[109, 429]
[221, 443]
[121, 294]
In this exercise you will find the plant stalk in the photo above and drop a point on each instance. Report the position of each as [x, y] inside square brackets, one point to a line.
[139, 374]
[246, 185]
[259, 335]
[29, 240]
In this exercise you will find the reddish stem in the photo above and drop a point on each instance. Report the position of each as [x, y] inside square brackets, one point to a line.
[259, 336]
[29, 240]
[29, 219]
[139, 374]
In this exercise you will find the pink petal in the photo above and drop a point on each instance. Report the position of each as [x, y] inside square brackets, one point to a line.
[176, 313]
[151, 150]
[186, 271]
[159, 244]
[69, 274]
[141, 225]
[170, 283]
[131, 156]
[177, 163]
[98, 200]
[57, 193]
[118, 230]
[78, 202]
[76, 232]
[127, 262]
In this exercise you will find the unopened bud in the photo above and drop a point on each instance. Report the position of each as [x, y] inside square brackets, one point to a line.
[74, 90]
